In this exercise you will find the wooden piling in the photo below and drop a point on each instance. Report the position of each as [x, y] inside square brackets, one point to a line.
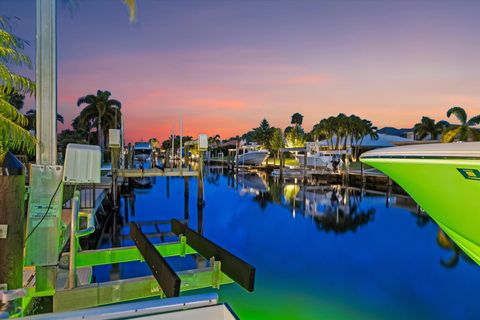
[186, 187]
[12, 225]
[200, 202]
[281, 163]
[305, 165]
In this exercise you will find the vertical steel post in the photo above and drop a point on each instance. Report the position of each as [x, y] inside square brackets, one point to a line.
[72, 275]
[46, 100]
[46, 79]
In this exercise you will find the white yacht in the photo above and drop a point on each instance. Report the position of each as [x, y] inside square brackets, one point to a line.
[318, 157]
[252, 156]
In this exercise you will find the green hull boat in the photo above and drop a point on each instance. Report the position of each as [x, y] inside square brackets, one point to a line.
[444, 179]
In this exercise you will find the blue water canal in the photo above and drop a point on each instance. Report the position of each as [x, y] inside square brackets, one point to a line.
[320, 251]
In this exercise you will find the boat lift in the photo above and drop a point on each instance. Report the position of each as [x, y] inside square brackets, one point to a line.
[61, 291]
[224, 268]
[164, 282]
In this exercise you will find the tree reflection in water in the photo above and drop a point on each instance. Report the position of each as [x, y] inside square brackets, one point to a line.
[334, 208]
[446, 243]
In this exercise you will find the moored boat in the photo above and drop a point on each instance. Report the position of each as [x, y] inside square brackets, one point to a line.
[444, 179]
[252, 157]
[142, 151]
[328, 160]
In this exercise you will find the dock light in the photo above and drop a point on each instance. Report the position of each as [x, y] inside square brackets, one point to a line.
[82, 164]
[202, 142]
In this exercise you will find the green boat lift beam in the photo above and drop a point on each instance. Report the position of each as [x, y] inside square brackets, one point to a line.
[224, 268]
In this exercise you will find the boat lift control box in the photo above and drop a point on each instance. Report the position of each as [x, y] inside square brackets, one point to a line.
[114, 140]
[202, 142]
[82, 164]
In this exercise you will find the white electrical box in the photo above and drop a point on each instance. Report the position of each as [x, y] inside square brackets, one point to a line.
[202, 142]
[82, 164]
[114, 140]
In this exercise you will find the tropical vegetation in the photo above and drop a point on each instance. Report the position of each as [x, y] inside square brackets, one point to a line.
[465, 131]
[343, 130]
[13, 134]
[295, 135]
[99, 112]
[263, 134]
[428, 127]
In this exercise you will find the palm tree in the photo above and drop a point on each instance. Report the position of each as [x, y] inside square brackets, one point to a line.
[297, 119]
[464, 131]
[362, 129]
[12, 132]
[427, 126]
[100, 110]
[31, 115]
[214, 142]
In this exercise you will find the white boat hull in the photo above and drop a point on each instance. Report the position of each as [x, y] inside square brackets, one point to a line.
[253, 158]
[142, 157]
[316, 161]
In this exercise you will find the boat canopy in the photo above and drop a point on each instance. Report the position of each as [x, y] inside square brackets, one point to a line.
[142, 146]
[433, 150]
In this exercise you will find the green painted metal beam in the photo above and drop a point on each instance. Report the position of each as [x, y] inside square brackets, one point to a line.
[90, 258]
[130, 289]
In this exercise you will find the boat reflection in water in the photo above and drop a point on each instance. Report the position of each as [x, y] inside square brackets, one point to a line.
[335, 209]
[253, 183]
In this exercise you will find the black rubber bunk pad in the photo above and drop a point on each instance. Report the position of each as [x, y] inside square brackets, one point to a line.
[166, 277]
[234, 267]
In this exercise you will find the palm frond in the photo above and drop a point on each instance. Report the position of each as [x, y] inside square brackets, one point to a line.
[9, 111]
[132, 8]
[10, 55]
[86, 99]
[14, 82]
[474, 121]
[7, 39]
[459, 112]
[13, 136]
[114, 102]
[450, 134]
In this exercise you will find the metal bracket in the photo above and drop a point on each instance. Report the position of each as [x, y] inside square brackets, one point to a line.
[217, 272]
[183, 245]
[3, 231]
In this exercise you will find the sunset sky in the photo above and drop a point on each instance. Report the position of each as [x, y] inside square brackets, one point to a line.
[222, 66]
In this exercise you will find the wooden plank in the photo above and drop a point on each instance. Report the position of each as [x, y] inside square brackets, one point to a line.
[234, 267]
[166, 277]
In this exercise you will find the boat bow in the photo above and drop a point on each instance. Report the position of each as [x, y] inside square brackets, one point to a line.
[444, 179]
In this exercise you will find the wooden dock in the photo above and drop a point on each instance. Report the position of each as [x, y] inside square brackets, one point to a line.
[139, 173]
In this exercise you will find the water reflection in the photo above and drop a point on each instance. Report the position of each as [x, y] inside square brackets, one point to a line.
[333, 208]
[446, 243]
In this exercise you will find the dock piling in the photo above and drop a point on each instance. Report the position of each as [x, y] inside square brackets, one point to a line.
[12, 223]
